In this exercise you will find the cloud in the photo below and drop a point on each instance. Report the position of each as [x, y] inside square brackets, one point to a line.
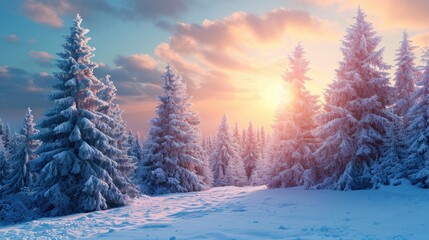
[50, 12]
[43, 12]
[4, 70]
[41, 58]
[422, 39]
[154, 10]
[411, 14]
[136, 62]
[12, 38]
[217, 56]
[136, 77]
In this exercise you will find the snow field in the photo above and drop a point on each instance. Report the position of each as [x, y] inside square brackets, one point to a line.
[248, 213]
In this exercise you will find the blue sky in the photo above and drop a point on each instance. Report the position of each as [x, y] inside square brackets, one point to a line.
[231, 53]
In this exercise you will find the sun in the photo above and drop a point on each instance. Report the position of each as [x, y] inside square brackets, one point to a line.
[275, 95]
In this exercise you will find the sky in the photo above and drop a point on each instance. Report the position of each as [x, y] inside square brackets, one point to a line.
[231, 53]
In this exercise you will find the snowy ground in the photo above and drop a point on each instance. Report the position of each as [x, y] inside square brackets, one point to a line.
[248, 213]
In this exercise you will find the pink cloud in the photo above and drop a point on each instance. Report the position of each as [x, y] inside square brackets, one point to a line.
[422, 39]
[136, 61]
[411, 14]
[46, 13]
[41, 58]
[12, 38]
[4, 70]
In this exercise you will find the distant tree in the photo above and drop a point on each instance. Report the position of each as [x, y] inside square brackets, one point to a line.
[174, 159]
[251, 151]
[6, 138]
[3, 163]
[227, 166]
[293, 144]
[417, 162]
[405, 76]
[76, 171]
[19, 175]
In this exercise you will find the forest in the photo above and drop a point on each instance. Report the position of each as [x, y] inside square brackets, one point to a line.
[370, 129]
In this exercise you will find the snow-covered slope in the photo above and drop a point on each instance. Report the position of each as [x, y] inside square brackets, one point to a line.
[248, 213]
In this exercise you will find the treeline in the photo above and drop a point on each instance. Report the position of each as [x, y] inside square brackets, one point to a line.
[366, 133]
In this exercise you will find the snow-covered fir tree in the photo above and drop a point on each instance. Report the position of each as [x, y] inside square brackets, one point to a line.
[20, 175]
[417, 163]
[135, 150]
[227, 166]
[354, 121]
[293, 144]
[251, 152]
[3, 163]
[389, 167]
[6, 138]
[76, 171]
[405, 76]
[174, 159]
[113, 125]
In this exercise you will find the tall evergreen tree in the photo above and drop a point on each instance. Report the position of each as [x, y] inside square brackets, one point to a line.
[76, 173]
[293, 142]
[3, 163]
[417, 163]
[115, 127]
[354, 122]
[405, 76]
[227, 165]
[19, 175]
[174, 159]
[251, 152]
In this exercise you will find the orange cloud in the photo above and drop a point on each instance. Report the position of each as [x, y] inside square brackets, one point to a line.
[234, 64]
[136, 61]
[46, 13]
[422, 39]
[411, 14]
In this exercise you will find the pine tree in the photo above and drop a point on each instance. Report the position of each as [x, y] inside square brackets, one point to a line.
[6, 138]
[135, 150]
[405, 76]
[417, 163]
[389, 168]
[116, 129]
[236, 136]
[3, 163]
[76, 173]
[20, 176]
[293, 142]
[354, 122]
[227, 166]
[251, 153]
[174, 160]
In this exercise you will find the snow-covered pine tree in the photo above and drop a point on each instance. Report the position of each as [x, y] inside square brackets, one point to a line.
[115, 127]
[75, 171]
[405, 76]
[262, 142]
[6, 138]
[389, 168]
[251, 152]
[227, 166]
[354, 121]
[173, 154]
[135, 150]
[293, 142]
[236, 136]
[3, 163]
[417, 163]
[19, 175]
